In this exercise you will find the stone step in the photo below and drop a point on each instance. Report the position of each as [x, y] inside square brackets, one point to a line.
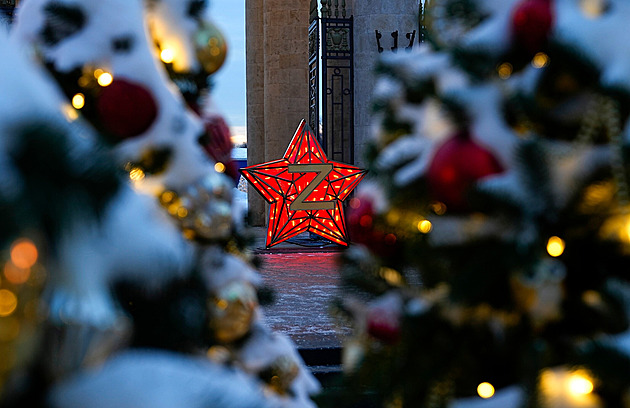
[324, 363]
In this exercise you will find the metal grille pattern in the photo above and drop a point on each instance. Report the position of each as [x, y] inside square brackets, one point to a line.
[338, 86]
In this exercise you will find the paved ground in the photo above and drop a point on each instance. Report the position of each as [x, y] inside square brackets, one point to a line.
[305, 281]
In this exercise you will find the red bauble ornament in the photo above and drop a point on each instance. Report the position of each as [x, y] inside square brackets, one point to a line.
[383, 324]
[361, 220]
[218, 143]
[531, 24]
[456, 166]
[126, 109]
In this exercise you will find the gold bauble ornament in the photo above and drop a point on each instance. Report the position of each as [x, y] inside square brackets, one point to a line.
[280, 374]
[210, 47]
[203, 209]
[232, 311]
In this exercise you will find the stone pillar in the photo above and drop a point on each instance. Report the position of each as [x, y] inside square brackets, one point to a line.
[255, 68]
[277, 82]
[387, 17]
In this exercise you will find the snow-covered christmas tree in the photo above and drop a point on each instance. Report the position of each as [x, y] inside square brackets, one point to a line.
[494, 230]
[115, 191]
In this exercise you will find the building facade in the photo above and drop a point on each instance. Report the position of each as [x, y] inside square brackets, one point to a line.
[278, 73]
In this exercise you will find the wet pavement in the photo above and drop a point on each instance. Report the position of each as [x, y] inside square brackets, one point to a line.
[305, 281]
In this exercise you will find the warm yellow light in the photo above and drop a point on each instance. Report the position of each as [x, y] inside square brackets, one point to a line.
[16, 275]
[105, 79]
[540, 60]
[425, 226]
[505, 70]
[70, 113]
[98, 72]
[555, 246]
[8, 302]
[167, 196]
[219, 167]
[136, 174]
[579, 384]
[392, 276]
[485, 390]
[173, 208]
[182, 212]
[23, 253]
[592, 298]
[167, 55]
[78, 101]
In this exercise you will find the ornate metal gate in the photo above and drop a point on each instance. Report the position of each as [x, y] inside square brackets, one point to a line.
[331, 79]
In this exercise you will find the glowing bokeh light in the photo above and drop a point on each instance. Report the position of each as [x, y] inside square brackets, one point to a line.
[540, 60]
[505, 70]
[485, 390]
[16, 275]
[580, 384]
[136, 174]
[425, 226]
[105, 79]
[24, 253]
[78, 101]
[8, 302]
[219, 167]
[555, 246]
[167, 55]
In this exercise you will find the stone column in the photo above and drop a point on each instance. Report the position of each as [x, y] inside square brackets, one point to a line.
[255, 68]
[277, 82]
[387, 17]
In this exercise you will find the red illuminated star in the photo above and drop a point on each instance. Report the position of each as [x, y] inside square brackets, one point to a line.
[305, 190]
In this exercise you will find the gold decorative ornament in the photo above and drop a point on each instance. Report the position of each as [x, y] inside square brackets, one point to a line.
[232, 311]
[203, 209]
[280, 374]
[211, 47]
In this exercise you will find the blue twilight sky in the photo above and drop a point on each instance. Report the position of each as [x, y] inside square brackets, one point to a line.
[229, 82]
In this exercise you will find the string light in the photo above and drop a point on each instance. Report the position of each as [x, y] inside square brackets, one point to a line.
[105, 79]
[78, 101]
[70, 113]
[505, 70]
[219, 167]
[8, 302]
[136, 174]
[540, 60]
[23, 253]
[485, 390]
[16, 275]
[392, 276]
[167, 196]
[167, 55]
[425, 226]
[555, 246]
[579, 384]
